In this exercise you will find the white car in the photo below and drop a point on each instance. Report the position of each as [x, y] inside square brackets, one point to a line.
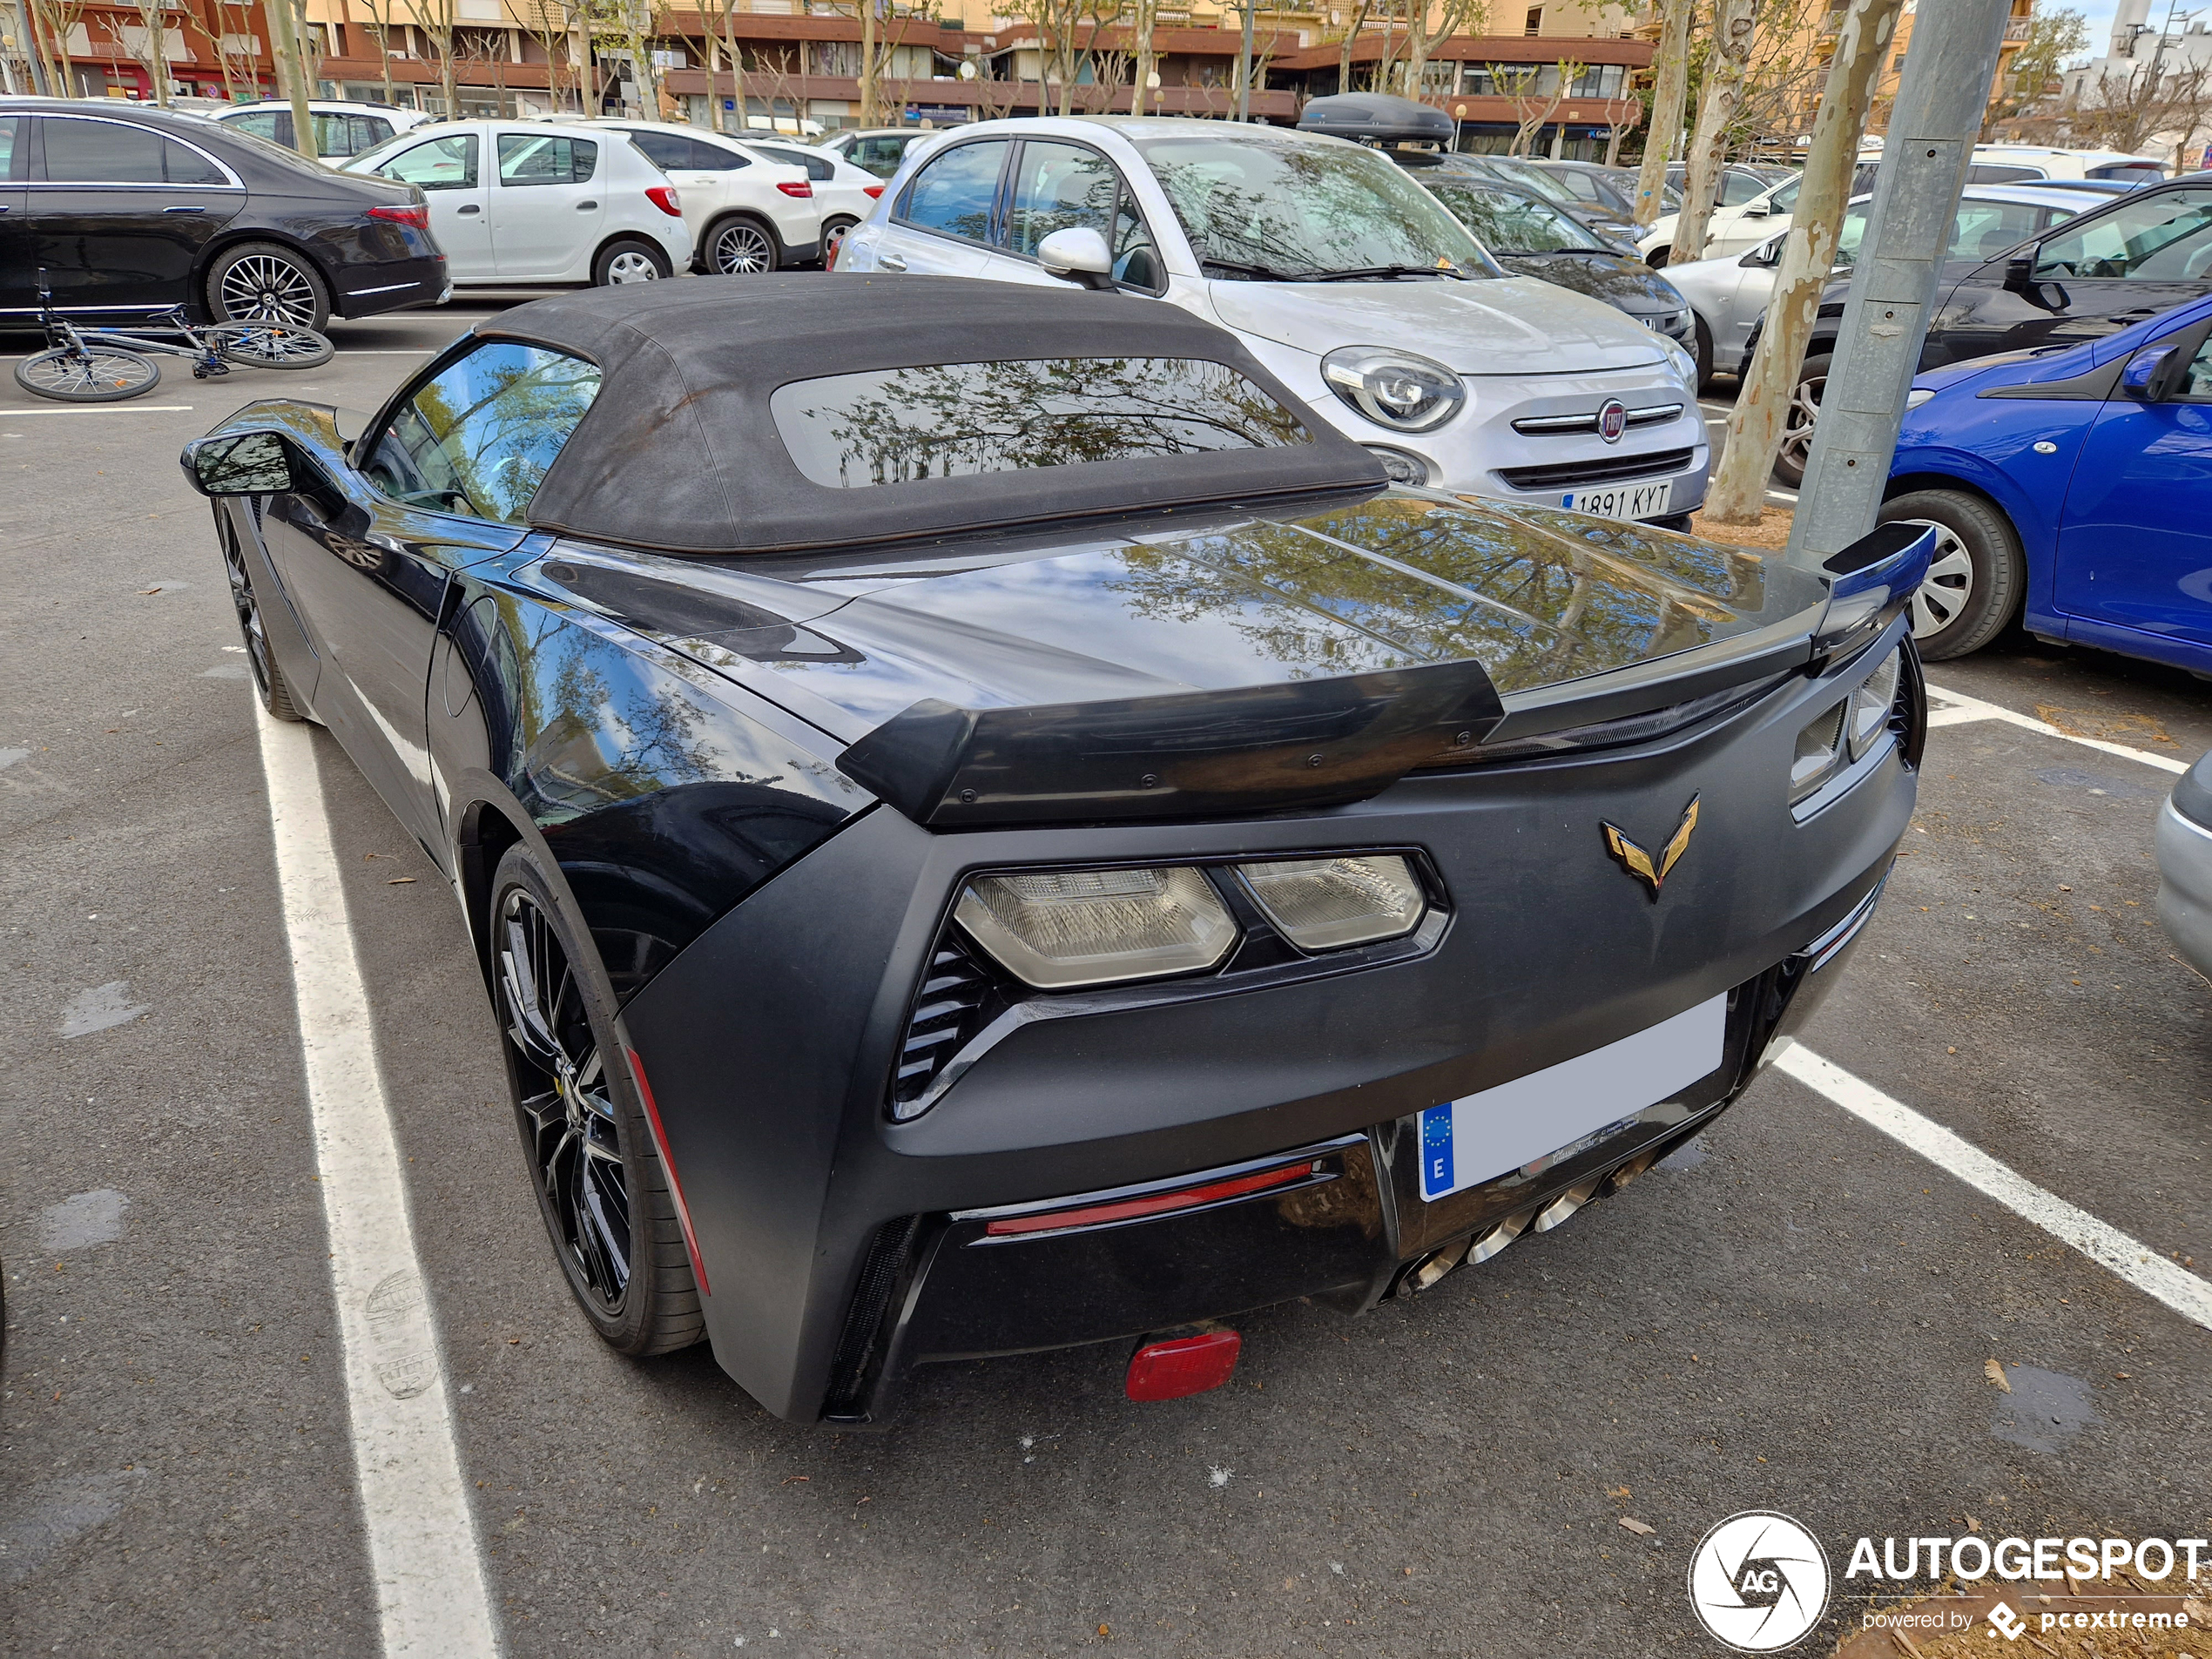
[2024, 163]
[1728, 295]
[1346, 279]
[534, 202]
[747, 208]
[876, 150]
[847, 194]
[341, 129]
[1730, 230]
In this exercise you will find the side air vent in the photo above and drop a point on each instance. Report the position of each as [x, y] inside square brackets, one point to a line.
[946, 1011]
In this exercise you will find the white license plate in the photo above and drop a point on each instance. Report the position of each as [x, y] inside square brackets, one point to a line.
[1481, 1136]
[1622, 501]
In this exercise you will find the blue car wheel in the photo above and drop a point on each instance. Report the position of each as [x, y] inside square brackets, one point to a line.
[1974, 584]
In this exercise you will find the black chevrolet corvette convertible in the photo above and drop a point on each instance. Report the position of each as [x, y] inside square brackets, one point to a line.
[988, 828]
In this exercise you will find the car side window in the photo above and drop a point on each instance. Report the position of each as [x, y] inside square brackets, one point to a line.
[475, 438]
[1784, 200]
[1736, 188]
[956, 193]
[1583, 186]
[2163, 238]
[1060, 187]
[667, 150]
[2195, 383]
[10, 125]
[369, 131]
[535, 158]
[101, 152]
[879, 156]
[448, 163]
[1982, 230]
[819, 168]
[263, 124]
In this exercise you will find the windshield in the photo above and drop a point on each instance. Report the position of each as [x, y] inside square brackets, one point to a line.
[1534, 179]
[1513, 223]
[1267, 210]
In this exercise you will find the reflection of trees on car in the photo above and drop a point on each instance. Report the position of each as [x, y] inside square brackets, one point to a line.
[1292, 210]
[479, 438]
[949, 420]
[1530, 612]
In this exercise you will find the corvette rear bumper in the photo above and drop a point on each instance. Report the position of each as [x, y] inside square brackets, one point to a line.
[843, 1248]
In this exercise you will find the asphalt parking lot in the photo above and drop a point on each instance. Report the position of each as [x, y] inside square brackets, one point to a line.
[1794, 1313]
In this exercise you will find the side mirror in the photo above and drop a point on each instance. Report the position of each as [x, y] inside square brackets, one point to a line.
[1755, 210]
[2145, 375]
[1078, 255]
[2020, 271]
[239, 463]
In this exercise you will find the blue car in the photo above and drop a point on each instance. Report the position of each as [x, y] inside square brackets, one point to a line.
[2069, 487]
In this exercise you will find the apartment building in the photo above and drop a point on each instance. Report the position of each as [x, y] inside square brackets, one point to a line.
[798, 61]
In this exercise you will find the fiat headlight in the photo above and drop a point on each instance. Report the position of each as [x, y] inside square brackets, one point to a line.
[1062, 929]
[1325, 904]
[1394, 388]
[1678, 355]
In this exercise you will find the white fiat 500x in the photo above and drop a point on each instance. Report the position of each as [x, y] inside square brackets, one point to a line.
[1342, 275]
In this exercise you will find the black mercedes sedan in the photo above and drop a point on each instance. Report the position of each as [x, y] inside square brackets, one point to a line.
[130, 211]
[987, 828]
[1528, 236]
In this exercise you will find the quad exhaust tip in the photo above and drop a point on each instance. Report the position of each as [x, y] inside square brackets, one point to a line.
[1477, 1248]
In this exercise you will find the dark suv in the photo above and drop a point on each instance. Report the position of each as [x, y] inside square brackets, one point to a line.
[130, 211]
[2099, 272]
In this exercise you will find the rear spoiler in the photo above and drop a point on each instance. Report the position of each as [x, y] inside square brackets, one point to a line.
[1304, 744]
[1245, 749]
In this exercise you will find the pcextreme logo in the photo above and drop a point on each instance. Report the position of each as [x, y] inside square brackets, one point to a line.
[1758, 1582]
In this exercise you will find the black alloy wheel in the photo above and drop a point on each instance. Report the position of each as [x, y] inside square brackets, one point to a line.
[263, 282]
[600, 1186]
[268, 678]
[739, 247]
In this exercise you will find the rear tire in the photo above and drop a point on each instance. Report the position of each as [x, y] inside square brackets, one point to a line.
[1977, 578]
[1798, 424]
[1704, 352]
[96, 374]
[833, 234]
[270, 345]
[1657, 257]
[266, 282]
[630, 259]
[740, 246]
[601, 1187]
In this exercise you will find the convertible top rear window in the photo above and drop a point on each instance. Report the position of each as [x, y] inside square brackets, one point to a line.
[948, 420]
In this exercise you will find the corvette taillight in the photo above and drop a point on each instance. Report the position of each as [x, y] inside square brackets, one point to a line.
[665, 197]
[801, 188]
[416, 216]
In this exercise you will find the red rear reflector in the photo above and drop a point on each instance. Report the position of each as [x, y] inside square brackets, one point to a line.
[1186, 1365]
[1152, 1203]
[871, 190]
[798, 187]
[675, 1187]
[418, 216]
[665, 197]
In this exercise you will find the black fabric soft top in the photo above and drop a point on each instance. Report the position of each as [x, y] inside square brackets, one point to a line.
[680, 451]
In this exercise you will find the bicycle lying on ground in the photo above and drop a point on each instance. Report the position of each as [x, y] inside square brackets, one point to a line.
[108, 365]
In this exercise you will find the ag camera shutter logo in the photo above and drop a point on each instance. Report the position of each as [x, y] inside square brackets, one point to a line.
[1758, 1582]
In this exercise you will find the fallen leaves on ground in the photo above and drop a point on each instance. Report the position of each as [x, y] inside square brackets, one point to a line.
[1771, 533]
[1637, 1527]
[1995, 1372]
[2110, 728]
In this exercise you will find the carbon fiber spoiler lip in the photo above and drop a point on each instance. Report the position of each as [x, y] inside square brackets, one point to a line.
[1295, 744]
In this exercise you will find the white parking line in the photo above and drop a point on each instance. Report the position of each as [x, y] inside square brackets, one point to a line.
[107, 409]
[1959, 708]
[2180, 1290]
[423, 1548]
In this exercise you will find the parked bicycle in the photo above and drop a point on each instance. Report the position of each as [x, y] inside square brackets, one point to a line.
[108, 365]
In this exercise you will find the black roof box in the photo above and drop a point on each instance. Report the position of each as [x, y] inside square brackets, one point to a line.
[1377, 118]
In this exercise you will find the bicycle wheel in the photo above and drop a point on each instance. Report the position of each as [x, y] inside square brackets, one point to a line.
[270, 345]
[95, 375]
